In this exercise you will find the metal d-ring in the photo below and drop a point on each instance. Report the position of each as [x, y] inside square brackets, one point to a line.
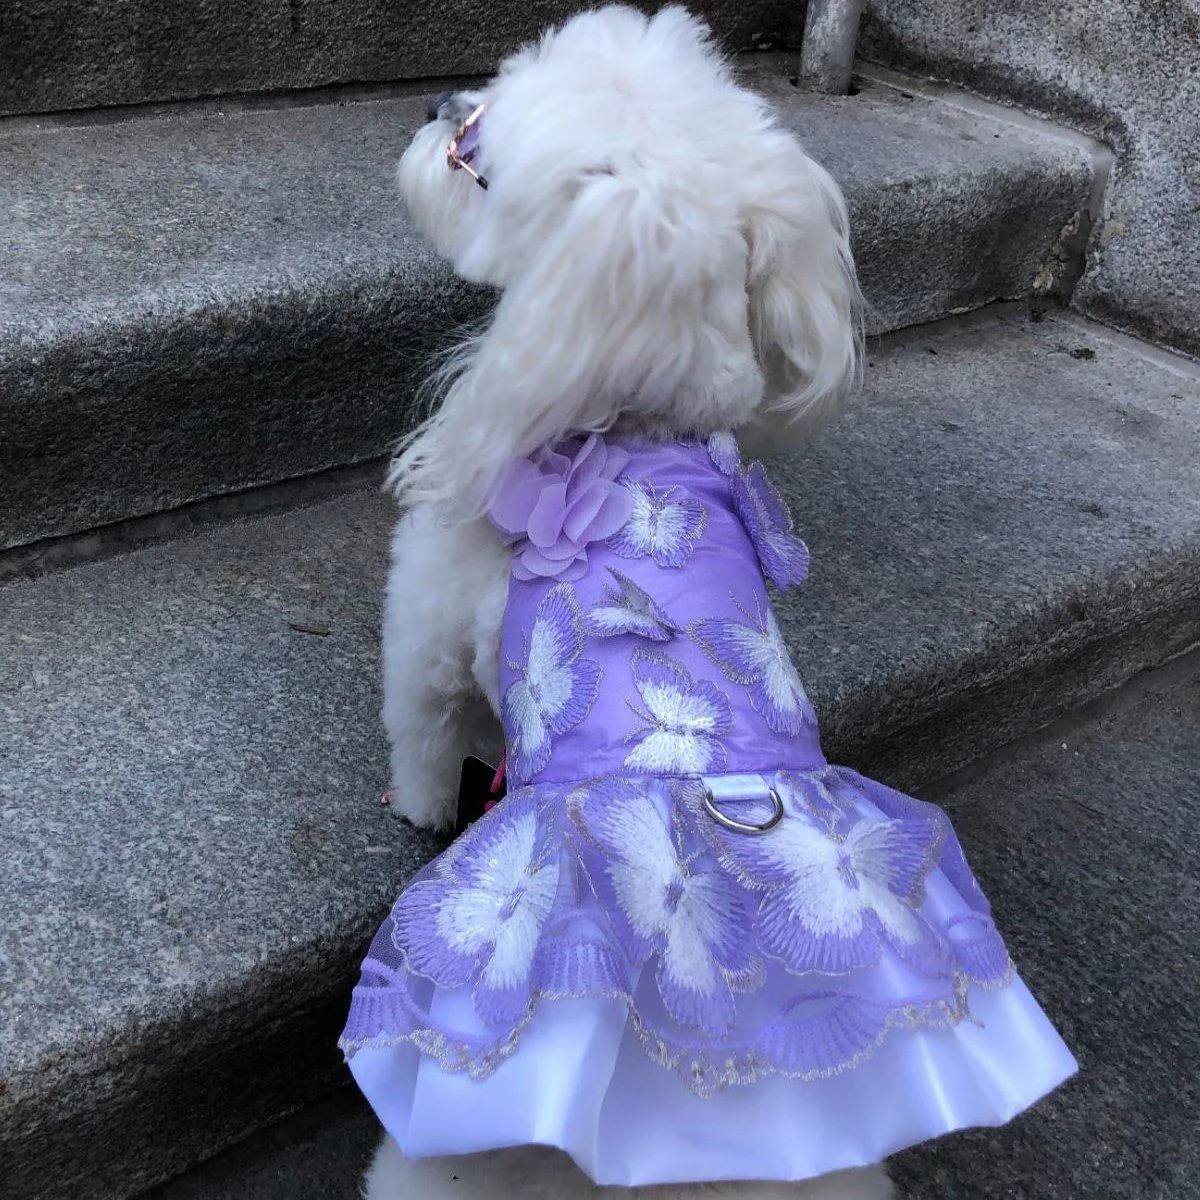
[741, 826]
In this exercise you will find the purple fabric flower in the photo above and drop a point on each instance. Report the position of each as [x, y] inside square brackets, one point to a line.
[552, 505]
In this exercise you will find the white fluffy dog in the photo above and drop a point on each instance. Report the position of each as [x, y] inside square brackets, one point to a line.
[671, 262]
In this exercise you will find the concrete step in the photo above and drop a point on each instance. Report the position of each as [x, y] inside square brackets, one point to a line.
[213, 297]
[1087, 845]
[1092, 877]
[190, 753]
[59, 55]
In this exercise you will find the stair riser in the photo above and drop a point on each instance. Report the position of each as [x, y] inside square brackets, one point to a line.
[82, 55]
[142, 419]
[932, 734]
[158, 1116]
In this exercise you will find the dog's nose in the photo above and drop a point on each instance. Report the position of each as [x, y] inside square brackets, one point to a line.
[434, 111]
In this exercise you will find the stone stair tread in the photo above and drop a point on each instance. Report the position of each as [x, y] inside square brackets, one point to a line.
[1086, 845]
[1053, 827]
[190, 764]
[219, 295]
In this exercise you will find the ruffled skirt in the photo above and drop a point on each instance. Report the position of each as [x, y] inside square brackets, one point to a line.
[606, 968]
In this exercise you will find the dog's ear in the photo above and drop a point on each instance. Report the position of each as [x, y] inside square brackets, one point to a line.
[805, 306]
[634, 302]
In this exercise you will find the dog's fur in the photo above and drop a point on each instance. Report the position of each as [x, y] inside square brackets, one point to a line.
[670, 262]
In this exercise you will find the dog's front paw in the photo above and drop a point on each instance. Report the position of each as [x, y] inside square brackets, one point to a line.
[427, 806]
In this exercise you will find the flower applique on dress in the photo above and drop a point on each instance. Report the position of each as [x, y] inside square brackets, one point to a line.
[552, 505]
[684, 947]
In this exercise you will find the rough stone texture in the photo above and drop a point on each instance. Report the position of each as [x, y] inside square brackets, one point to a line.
[1129, 73]
[193, 845]
[215, 299]
[205, 302]
[189, 766]
[1087, 846]
[319, 1153]
[59, 54]
[1012, 500]
[1086, 842]
[949, 209]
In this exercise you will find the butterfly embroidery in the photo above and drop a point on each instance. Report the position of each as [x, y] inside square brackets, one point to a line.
[755, 656]
[555, 688]
[628, 608]
[666, 524]
[670, 903]
[684, 721]
[782, 555]
[726, 457]
[834, 897]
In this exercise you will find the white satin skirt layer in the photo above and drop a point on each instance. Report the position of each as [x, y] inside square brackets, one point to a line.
[582, 1082]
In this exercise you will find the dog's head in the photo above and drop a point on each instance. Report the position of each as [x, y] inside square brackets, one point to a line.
[670, 259]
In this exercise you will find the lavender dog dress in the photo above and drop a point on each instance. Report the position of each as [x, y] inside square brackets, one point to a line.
[684, 947]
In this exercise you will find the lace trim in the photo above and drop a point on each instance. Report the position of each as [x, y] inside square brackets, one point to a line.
[703, 1074]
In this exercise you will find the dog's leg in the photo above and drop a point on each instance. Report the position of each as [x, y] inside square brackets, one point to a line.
[541, 1173]
[441, 633]
[863, 1183]
[517, 1173]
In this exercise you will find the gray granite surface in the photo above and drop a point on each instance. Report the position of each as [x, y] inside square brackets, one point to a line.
[193, 845]
[1086, 841]
[1087, 845]
[214, 298]
[60, 54]
[1128, 73]
[319, 1153]
[190, 754]
[1011, 500]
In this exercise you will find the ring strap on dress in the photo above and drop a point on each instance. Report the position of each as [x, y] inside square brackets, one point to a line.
[741, 788]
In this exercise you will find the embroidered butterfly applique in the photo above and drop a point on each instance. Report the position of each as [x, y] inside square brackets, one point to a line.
[555, 688]
[666, 524]
[628, 608]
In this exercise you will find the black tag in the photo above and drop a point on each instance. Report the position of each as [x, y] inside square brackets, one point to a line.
[475, 791]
